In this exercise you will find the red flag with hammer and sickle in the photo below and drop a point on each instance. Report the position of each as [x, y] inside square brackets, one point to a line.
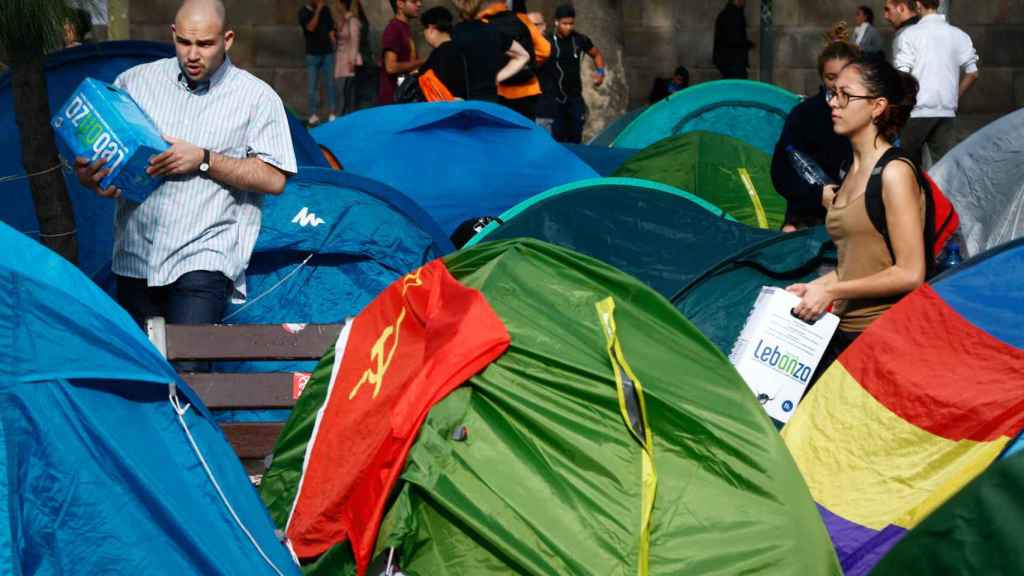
[417, 341]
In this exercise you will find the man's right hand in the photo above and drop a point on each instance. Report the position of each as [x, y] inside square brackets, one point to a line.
[90, 175]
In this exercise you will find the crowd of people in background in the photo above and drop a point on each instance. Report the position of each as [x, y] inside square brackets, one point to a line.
[490, 50]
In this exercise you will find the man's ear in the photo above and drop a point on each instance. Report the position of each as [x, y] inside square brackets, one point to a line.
[229, 39]
[174, 34]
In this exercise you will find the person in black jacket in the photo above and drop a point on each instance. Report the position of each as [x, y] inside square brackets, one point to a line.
[808, 128]
[731, 43]
[445, 58]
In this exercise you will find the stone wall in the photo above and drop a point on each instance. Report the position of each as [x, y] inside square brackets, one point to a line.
[641, 40]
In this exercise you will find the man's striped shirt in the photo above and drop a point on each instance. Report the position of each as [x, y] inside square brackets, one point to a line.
[192, 222]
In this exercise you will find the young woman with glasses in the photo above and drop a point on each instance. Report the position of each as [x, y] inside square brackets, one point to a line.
[878, 262]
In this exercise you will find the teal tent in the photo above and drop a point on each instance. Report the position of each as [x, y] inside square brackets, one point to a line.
[661, 235]
[750, 111]
[719, 300]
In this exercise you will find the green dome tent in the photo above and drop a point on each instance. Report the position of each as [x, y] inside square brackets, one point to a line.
[726, 172]
[661, 235]
[751, 111]
[609, 438]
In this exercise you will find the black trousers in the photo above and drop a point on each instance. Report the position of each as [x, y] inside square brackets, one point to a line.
[568, 121]
[733, 71]
[525, 106]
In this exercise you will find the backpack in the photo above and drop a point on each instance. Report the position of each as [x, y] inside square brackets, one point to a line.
[935, 234]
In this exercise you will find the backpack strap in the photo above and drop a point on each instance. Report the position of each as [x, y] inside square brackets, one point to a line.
[875, 205]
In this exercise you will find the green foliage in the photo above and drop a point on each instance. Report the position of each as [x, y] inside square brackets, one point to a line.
[34, 25]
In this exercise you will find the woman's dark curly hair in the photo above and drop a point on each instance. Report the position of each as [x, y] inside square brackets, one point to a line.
[898, 88]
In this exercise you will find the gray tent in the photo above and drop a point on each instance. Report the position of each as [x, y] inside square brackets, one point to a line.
[983, 177]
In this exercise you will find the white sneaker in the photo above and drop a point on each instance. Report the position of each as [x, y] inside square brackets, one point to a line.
[314, 120]
[332, 118]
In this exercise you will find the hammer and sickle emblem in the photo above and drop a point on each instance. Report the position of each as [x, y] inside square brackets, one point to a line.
[377, 353]
[383, 360]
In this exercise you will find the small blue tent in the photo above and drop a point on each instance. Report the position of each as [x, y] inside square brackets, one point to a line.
[94, 216]
[329, 244]
[111, 464]
[661, 235]
[457, 160]
[750, 111]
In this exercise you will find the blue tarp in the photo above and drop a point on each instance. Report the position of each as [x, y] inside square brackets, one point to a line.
[98, 475]
[983, 290]
[457, 160]
[750, 111]
[94, 216]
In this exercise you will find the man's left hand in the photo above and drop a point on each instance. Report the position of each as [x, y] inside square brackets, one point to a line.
[598, 79]
[180, 159]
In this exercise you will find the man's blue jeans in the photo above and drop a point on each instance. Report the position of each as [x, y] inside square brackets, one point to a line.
[320, 67]
[198, 297]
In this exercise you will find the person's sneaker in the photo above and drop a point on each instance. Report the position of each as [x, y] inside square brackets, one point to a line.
[331, 118]
[314, 120]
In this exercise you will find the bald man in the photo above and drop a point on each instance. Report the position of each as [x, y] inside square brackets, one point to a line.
[183, 252]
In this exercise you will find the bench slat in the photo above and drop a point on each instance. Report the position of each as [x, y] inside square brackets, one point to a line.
[243, 391]
[248, 342]
[252, 440]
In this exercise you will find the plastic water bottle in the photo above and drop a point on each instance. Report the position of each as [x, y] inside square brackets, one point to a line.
[950, 257]
[807, 168]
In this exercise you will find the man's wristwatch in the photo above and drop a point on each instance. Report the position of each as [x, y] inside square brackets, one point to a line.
[204, 166]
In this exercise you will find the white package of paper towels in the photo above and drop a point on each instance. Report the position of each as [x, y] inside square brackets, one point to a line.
[776, 353]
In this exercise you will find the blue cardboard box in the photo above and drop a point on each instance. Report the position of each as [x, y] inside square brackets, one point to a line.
[102, 121]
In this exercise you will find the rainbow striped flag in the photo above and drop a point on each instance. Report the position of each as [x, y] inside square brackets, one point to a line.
[922, 403]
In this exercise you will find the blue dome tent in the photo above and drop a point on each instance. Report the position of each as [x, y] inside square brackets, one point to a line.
[750, 111]
[94, 216]
[329, 244]
[661, 235]
[457, 160]
[111, 463]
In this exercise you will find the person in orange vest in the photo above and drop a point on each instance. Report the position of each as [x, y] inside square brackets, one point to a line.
[522, 91]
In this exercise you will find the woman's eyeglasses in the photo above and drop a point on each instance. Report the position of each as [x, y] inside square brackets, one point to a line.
[842, 99]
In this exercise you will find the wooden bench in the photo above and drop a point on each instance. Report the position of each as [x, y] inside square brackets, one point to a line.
[252, 441]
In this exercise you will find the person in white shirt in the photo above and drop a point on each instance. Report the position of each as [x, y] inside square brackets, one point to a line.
[945, 63]
[901, 14]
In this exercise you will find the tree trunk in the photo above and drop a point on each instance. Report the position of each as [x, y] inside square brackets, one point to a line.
[39, 154]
